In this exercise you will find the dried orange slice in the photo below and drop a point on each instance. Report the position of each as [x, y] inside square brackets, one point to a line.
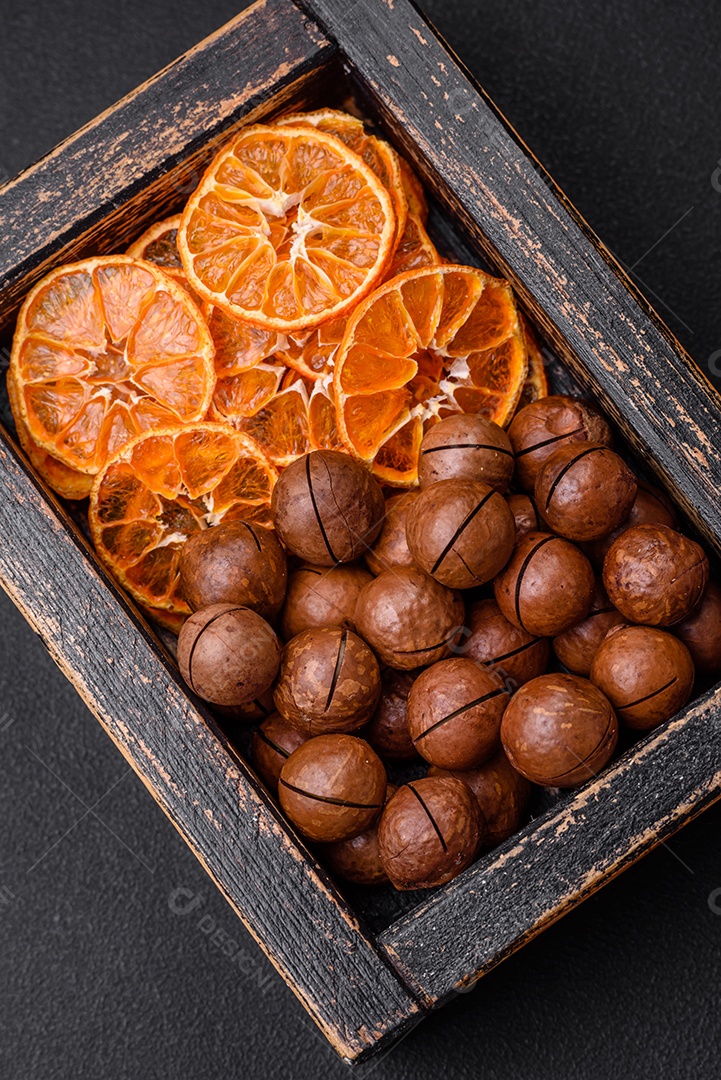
[287, 228]
[415, 195]
[159, 245]
[243, 394]
[536, 384]
[313, 354]
[103, 350]
[414, 249]
[164, 486]
[298, 418]
[67, 482]
[377, 153]
[424, 345]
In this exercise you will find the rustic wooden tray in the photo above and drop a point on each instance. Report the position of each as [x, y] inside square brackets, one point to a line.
[364, 968]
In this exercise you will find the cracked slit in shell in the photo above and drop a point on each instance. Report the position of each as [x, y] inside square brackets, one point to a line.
[519, 580]
[459, 711]
[549, 442]
[430, 817]
[459, 532]
[328, 799]
[567, 467]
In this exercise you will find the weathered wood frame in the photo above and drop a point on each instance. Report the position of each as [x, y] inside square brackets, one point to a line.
[104, 185]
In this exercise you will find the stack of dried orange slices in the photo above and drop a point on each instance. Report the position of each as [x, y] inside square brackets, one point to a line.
[296, 303]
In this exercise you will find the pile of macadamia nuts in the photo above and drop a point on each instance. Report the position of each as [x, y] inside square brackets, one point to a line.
[491, 628]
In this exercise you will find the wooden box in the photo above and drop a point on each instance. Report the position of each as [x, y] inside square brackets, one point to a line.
[365, 971]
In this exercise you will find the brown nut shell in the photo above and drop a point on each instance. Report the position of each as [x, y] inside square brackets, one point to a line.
[387, 731]
[654, 575]
[559, 730]
[429, 832]
[525, 514]
[461, 532]
[650, 507]
[584, 491]
[358, 859]
[408, 618]
[391, 547]
[273, 743]
[466, 446]
[228, 655]
[544, 425]
[502, 794]
[235, 562]
[546, 586]
[647, 675]
[329, 681]
[576, 648]
[509, 651]
[701, 632]
[327, 508]
[454, 713]
[322, 596]
[332, 787]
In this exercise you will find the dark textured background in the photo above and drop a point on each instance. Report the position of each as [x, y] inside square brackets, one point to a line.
[98, 977]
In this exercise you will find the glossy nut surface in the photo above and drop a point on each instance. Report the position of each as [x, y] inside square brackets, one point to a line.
[391, 547]
[491, 639]
[273, 743]
[429, 832]
[466, 446]
[461, 532]
[654, 575]
[228, 655]
[502, 794]
[584, 491]
[701, 631]
[387, 731]
[647, 675]
[408, 618]
[546, 586]
[234, 563]
[322, 596]
[559, 730]
[576, 648]
[650, 507]
[329, 681]
[540, 428]
[332, 787]
[454, 713]
[327, 508]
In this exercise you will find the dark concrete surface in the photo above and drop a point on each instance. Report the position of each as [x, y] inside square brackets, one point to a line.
[99, 977]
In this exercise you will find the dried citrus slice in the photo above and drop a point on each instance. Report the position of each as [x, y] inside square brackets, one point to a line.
[313, 354]
[536, 384]
[298, 418]
[414, 249]
[426, 344]
[67, 482]
[287, 228]
[159, 245]
[415, 195]
[241, 395]
[377, 153]
[162, 487]
[105, 349]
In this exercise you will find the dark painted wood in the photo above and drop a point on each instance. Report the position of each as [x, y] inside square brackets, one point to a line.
[227, 818]
[140, 159]
[615, 345]
[560, 859]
